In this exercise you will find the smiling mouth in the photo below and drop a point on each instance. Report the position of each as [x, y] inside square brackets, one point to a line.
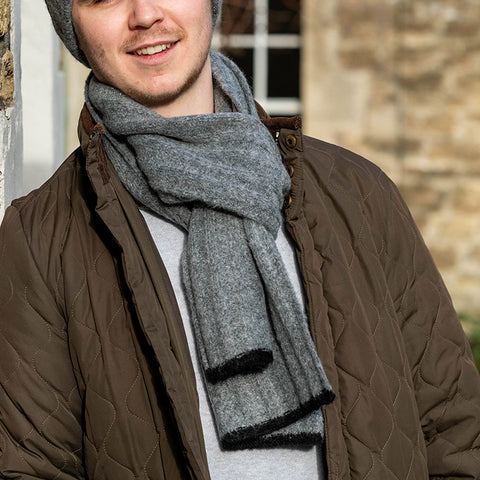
[153, 49]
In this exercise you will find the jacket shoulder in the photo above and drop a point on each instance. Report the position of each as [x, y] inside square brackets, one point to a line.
[44, 216]
[45, 211]
[336, 164]
[344, 176]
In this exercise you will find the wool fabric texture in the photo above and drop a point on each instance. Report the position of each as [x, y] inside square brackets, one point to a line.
[221, 178]
[61, 14]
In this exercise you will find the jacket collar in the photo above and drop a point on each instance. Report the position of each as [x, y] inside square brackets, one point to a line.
[86, 126]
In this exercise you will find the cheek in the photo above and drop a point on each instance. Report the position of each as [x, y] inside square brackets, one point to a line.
[95, 49]
[204, 30]
[199, 14]
[93, 34]
[79, 27]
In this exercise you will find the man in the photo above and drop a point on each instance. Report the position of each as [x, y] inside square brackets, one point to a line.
[152, 306]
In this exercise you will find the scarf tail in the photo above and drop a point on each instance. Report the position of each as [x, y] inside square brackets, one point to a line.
[227, 300]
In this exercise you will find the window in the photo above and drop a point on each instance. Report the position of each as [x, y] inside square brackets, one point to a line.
[263, 38]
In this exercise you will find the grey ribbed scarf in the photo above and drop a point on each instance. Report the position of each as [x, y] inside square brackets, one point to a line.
[221, 178]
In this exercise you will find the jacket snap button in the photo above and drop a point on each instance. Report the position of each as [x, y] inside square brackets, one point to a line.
[290, 170]
[291, 141]
[288, 201]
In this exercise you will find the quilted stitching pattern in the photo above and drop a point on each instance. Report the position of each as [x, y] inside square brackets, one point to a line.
[393, 328]
[41, 340]
[120, 431]
[115, 403]
[34, 426]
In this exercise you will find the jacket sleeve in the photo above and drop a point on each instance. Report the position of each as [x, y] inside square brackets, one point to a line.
[40, 408]
[446, 381]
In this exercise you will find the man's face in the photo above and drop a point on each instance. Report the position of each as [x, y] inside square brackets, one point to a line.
[155, 51]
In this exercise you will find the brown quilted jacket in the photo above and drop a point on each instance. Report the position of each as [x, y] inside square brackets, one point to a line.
[96, 378]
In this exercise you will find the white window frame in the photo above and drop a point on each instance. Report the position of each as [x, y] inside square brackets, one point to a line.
[260, 42]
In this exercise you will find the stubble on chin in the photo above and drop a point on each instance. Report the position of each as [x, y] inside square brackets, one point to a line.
[166, 98]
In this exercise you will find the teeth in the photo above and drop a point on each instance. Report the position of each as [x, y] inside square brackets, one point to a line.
[153, 50]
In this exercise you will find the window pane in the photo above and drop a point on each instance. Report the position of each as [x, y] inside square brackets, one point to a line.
[283, 72]
[243, 57]
[237, 16]
[284, 16]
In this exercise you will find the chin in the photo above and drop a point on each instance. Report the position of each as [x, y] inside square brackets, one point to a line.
[153, 100]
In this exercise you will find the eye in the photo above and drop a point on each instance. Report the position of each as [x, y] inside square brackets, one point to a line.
[95, 2]
[91, 2]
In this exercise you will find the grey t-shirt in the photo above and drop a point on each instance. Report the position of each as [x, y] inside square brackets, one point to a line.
[258, 464]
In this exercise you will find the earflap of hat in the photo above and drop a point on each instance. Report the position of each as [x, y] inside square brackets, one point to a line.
[216, 9]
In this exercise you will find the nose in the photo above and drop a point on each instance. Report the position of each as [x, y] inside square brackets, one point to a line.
[145, 13]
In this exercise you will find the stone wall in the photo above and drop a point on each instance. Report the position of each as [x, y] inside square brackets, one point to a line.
[6, 67]
[10, 106]
[6, 87]
[399, 82]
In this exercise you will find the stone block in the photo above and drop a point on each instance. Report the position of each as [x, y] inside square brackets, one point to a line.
[475, 254]
[463, 157]
[4, 17]
[466, 199]
[424, 200]
[6, 80]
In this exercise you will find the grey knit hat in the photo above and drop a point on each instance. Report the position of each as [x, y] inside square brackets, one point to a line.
[61, 13]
